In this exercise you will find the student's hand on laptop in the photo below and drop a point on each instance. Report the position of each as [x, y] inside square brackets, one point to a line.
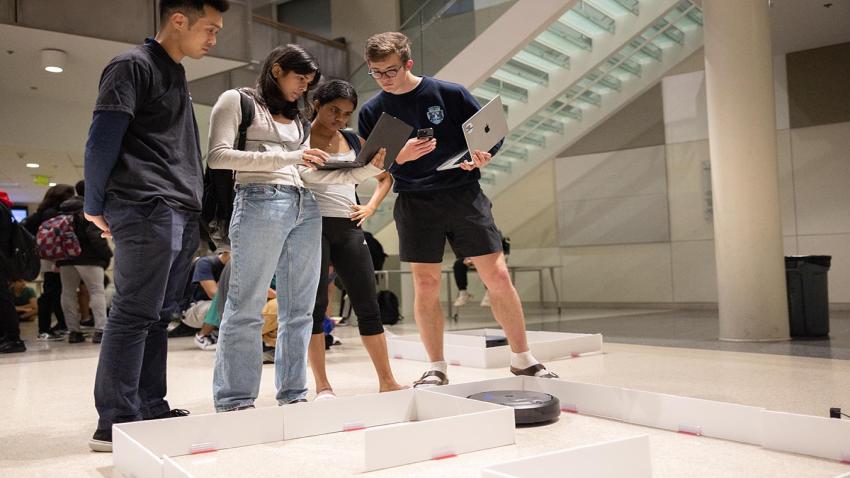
[415, 149]
[101, 224]
[479, 160]
[314, 157]
[378, 158]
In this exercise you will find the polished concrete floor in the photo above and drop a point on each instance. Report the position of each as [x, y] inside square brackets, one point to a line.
[49, 413]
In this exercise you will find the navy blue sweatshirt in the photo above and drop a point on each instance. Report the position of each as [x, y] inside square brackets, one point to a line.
[436, 104]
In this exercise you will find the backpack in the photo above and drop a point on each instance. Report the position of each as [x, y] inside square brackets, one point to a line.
[21, 261]
[220, 184]
[376, 250]
[57, 240]
[217, 204]
[388, 305]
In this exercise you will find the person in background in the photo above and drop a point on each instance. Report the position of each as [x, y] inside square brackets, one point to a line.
[89, 268]
[50, 301]
[10, 329]
[26, 303]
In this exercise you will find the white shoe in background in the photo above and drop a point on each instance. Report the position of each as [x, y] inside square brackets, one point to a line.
[485, 302]
[462, 298]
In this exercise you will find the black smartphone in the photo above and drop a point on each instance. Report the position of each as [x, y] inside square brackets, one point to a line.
[425, 133]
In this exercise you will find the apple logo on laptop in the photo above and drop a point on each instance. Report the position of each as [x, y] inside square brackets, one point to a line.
[486, 128]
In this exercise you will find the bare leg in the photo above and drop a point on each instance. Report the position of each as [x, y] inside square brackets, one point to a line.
[316, 357]
[376, 345]
[504, 300]
[426, 308]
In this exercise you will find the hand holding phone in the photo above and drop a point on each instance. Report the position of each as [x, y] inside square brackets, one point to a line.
[425, 133]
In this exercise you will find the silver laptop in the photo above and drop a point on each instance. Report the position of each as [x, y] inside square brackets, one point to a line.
[389, 132]
[483, 131]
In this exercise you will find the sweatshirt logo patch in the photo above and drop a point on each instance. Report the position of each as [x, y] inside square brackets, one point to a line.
[436, 114]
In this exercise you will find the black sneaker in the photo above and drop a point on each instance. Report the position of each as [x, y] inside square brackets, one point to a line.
[297, 400]
[101, 441]
[97, 337]
[87, 323]
[59, 331]
[76, 337]
[173, 413]
[182, 330]
[12, 347]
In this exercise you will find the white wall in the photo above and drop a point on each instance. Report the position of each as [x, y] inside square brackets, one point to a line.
[618, 243]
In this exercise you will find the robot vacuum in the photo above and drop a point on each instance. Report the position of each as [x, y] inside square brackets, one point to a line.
[529, 407]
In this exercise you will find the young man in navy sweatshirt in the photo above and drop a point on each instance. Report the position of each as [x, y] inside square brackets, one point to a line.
[433, 206]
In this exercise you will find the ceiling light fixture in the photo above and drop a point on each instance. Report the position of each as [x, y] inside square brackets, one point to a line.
[32, 165]
[52, 184]
[53, 60]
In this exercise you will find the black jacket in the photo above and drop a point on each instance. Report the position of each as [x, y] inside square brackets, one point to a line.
[5, 239]
[96, 251]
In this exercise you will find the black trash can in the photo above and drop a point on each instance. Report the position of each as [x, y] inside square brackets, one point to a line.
[808, 295]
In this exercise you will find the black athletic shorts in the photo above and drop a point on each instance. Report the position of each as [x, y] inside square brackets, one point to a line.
[425, 220]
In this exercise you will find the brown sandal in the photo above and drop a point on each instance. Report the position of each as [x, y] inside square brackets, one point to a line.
[431, 378]
[534, 371]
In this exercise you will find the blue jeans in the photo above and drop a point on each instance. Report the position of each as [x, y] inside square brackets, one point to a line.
[275, 231]
[154, 245]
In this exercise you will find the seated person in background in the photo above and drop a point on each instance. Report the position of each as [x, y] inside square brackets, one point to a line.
[204, 286]
[26, 302]
[461, 268]
[269, 332]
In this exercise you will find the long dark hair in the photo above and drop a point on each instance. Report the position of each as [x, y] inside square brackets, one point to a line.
[290, 58]
[55, 196]
[334, 90]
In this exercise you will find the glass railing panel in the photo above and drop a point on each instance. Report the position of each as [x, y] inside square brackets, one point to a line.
[525, 136]
[514, 151]
[627, 66]
[570, 112]
[618, 7]
[566, 39]
[583, 16]
[507, 90]
[539, 123]
[543, 58]
[577, 95]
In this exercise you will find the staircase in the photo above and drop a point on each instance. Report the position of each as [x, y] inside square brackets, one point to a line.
[561, 68]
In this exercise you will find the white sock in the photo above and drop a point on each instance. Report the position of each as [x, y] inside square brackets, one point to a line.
[441, 366]
[523, 360]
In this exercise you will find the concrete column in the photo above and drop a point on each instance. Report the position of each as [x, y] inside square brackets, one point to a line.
[745, 172]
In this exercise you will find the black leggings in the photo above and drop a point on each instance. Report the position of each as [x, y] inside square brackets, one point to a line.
[461, 270]
[9, 324]
[344, 246]
[50, 303]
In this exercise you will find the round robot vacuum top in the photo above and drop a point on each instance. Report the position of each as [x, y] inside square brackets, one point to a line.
[529, 407]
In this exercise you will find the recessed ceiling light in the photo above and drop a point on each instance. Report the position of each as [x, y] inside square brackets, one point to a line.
[53, 60]
[32, 165]
[51, 184]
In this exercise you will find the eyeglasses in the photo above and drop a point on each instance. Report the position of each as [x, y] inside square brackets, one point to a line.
[389, 73]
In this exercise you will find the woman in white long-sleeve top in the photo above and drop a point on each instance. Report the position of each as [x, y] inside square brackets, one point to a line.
[275, 228]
